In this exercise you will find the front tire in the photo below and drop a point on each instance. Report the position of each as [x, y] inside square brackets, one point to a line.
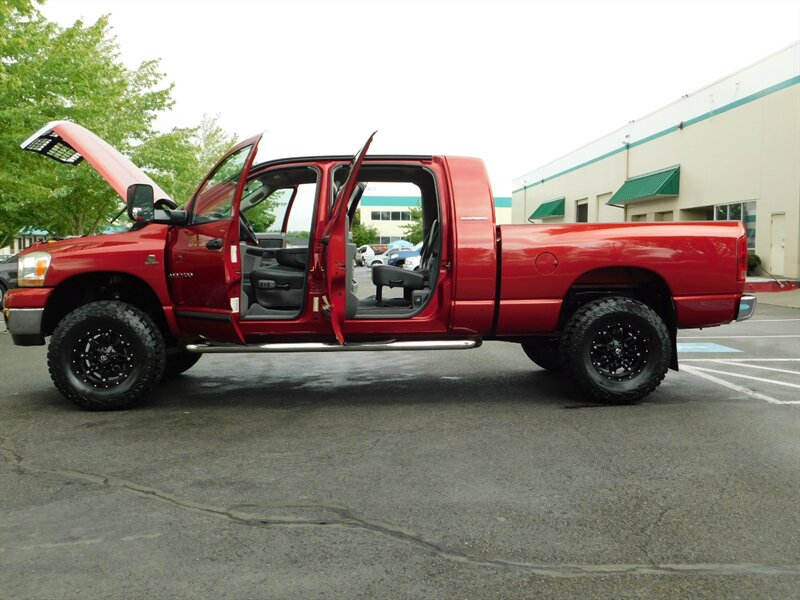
[106, 355]
[617, 349]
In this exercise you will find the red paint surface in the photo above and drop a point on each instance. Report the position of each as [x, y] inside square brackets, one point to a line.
[697, 263]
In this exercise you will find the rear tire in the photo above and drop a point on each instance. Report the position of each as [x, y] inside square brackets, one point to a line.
[106, 355]
[617, 349]
[544, 352]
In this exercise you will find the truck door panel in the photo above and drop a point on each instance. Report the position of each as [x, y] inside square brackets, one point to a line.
[204, 266]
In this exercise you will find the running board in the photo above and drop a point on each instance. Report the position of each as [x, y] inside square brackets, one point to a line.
[385, 346]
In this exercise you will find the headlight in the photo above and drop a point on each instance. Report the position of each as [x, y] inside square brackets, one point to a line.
[32, 268]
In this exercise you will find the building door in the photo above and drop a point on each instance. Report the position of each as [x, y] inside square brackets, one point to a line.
[777, 243]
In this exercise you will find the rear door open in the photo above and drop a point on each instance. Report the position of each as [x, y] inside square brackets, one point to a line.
[335, 239]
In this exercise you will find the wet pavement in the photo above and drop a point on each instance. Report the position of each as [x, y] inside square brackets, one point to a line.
[468, 474]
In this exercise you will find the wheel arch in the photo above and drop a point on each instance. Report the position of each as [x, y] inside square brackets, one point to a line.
[103, 285]
[637, 283]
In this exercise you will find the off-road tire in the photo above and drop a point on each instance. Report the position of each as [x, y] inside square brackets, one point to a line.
[106, 355]
[616, 349]
[544, 352]
[179, 361]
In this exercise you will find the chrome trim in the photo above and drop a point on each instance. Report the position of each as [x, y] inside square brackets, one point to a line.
[389, 345]
[746, 308]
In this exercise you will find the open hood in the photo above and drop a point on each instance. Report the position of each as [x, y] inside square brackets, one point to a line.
[70, 143]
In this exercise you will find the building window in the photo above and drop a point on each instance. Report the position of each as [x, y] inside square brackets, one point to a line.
[638, 218]
[582, 212]
[739, 211]
[667, 215]
[391, 216]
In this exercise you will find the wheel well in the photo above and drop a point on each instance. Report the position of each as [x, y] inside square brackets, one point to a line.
[631, 282]
[91, 287]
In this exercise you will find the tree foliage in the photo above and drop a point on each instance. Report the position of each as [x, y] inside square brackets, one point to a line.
[50, 73]
[262, 215]
[361, 233]
[413, 230]
[178, 160]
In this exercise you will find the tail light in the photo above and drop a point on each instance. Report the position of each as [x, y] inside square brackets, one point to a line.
[741, 267]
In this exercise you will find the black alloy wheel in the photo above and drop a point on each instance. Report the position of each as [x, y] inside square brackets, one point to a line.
[106, 355]
[617, 349]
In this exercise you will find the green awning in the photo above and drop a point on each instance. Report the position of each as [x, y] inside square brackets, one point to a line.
[662, 184]
[553, 208]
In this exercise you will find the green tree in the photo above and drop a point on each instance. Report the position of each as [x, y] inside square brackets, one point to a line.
[179, 159]
[262, 216]
[361, 233]
[413, 230]
[51, 73]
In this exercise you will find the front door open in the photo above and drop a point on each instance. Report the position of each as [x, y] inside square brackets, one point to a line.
[204, 266]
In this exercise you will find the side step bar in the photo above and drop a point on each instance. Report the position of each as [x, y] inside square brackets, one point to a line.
[385, 346]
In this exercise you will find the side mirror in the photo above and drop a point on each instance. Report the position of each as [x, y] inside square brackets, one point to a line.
[140, 203]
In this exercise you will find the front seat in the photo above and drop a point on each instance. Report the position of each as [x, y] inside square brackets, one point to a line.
[385, 275]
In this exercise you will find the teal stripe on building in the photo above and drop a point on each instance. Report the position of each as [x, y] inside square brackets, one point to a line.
[688, 123]
[406, 201]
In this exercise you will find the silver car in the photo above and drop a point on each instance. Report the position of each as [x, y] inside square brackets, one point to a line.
[382, 259]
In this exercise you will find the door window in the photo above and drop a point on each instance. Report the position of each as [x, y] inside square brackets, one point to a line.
[214, 199]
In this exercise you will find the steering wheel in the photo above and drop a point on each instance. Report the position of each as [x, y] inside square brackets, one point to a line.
[246, 231]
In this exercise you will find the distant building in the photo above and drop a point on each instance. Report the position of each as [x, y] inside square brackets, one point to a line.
[728, 151]
[388, 214]
[27, 237]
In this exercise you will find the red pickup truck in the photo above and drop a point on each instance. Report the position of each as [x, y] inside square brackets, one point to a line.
[601, 302]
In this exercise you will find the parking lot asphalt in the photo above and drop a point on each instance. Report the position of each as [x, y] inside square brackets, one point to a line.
[469, 474]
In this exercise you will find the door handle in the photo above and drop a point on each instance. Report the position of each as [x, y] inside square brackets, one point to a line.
[214, 244]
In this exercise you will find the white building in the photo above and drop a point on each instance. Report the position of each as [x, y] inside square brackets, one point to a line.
[388, 214]
[728, 151]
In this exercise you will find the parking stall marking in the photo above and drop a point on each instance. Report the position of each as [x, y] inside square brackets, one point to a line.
[734, 337]
[722, 361]
[704, 347]
[767, 321]
[741, 376]
[740, 360]
[699, 372]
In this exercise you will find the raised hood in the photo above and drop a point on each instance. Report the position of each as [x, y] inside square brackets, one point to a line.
[70, 143]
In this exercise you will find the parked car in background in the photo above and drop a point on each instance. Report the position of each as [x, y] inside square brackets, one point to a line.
[412, 263]
[5, 257]
[8, 275]
[404, 254]
[382, 259]
[363, 254]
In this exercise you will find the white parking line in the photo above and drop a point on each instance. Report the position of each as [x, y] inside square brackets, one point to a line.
[761, 379]
[739, 388]
[767, 321]
[733, 337]
[722, 361]
[738, 360]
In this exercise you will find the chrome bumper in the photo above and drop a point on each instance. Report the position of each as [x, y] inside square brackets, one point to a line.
[747, 306]
[25, 325]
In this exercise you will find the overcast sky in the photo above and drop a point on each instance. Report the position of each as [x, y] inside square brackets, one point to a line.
[516, 83]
